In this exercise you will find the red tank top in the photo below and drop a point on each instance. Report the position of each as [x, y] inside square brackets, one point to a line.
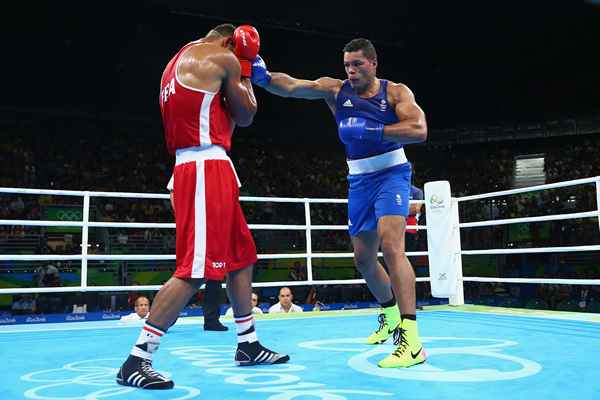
[192, 117]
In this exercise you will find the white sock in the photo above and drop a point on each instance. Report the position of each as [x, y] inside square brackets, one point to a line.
[148, 341]
[245, 329]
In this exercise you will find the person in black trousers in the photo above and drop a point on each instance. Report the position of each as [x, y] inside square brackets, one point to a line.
[211, 304]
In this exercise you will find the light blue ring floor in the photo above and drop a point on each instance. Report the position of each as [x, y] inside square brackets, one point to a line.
[474, 353]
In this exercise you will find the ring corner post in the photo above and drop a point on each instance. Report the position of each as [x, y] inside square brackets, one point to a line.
[85, 240]
[443, 242]
[309, 271]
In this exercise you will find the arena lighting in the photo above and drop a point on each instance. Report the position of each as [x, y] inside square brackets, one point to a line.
[289, 26]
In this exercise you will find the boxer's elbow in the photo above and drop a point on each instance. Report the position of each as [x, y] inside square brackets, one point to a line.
[244, 115]
[420, 128]
[423, 133]
[244, 122]
[245, 118]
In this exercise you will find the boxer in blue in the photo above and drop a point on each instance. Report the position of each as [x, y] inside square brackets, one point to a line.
[375, 119]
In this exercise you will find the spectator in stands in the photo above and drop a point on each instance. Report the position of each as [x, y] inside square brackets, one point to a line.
[285, 304]
[255, 308]
[48, 276]
[24, 304]
[297, 273]
[133, 295]
[141, 310]
[51, 277]
[311, 298]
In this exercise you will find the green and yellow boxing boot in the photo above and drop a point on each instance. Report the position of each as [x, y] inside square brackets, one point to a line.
[410, 349]
[389, 322]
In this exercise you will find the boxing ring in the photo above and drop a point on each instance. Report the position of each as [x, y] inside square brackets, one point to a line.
[475, 352]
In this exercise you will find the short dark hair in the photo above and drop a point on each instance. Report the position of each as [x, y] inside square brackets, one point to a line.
[222, 30]
[362, 44]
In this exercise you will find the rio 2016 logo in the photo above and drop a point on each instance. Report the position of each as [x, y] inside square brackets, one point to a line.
[436, 202]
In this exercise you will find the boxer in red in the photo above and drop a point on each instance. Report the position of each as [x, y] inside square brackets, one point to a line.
[205, 91]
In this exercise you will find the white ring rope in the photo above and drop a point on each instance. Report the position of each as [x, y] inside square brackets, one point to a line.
[133, 257]
[564, 249]
[536, 188]
[567, 249]
[171, 225]
[138, 288]
[309, 255]
[542, 218]
[551, 281]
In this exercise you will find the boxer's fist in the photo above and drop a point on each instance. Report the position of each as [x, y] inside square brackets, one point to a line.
[260, 74]
[246, 43]
[356, 128]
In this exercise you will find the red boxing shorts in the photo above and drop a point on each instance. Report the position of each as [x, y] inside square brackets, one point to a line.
[212, 236]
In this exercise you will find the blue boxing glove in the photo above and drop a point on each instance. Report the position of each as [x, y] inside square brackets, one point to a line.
[260, 76]
[357, 128]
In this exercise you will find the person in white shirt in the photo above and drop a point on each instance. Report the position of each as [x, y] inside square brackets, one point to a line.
[285, 304]
[255, 309]
[141, 308]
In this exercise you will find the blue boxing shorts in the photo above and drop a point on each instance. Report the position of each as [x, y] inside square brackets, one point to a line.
[375, 194]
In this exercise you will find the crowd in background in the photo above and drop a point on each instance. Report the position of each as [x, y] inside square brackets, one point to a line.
[106, 156]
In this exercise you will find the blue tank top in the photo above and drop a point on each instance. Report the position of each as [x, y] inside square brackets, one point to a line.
[349, 104]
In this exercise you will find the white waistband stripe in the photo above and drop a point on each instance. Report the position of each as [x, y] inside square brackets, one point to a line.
[377, 163]
[201, 153]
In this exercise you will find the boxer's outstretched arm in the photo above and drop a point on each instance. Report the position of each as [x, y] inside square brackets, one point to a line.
[284, 85]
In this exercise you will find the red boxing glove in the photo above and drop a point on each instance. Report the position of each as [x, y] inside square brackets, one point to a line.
[246, 42]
